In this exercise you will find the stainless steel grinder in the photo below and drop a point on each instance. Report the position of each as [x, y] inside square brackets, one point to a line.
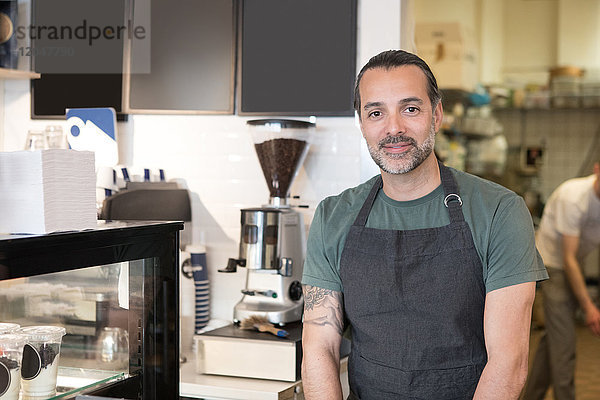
[272, 238]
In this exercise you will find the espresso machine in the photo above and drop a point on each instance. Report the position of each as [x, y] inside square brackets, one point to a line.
[272, 239]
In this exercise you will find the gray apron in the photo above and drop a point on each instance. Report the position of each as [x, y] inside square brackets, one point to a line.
[415, 303]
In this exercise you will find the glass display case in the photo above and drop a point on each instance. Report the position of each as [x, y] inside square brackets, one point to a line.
[115, 291]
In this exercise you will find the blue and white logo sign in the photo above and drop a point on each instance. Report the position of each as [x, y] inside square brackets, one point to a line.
[94, 129]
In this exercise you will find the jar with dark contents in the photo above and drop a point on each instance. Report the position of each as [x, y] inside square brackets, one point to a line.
[281, 146]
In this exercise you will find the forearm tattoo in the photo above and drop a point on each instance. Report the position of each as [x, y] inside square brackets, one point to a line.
[323, 307]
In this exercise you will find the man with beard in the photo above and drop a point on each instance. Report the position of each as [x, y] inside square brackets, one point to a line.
[432, 269]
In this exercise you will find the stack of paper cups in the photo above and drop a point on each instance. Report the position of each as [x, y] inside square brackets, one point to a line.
[201, 285]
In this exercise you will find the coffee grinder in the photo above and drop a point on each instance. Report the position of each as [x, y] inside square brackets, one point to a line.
[272, 238]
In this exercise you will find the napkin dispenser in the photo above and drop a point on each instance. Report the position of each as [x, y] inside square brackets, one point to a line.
[150, 201]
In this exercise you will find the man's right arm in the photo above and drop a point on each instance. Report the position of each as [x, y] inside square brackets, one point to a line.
[570, 244]
[321, 339]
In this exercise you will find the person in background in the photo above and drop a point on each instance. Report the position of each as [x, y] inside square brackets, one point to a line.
[568, 231]
[434, 269]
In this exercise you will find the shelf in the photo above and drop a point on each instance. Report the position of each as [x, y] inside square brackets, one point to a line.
[76, 380]
[6, 73]
[72, 381]
[523, 109]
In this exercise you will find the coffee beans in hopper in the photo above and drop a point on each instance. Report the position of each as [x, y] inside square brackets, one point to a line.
[279, 159]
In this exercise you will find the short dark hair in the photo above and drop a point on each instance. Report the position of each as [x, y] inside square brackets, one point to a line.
[396, 58]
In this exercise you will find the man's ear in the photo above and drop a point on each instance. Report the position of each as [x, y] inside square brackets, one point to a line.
[438, 115]
[360, 125]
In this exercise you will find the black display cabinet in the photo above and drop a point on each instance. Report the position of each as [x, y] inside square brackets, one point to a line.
[121, 277]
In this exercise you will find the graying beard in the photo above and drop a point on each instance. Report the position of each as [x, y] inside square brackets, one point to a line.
[420, 155]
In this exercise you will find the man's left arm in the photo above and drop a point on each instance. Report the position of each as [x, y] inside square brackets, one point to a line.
[506, 323]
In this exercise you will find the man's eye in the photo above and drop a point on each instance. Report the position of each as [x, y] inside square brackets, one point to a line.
[412, 110]
[375, 114]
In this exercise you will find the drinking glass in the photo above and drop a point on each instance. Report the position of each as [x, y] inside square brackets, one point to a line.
[113, 346]
[36, 140]
[55, 137]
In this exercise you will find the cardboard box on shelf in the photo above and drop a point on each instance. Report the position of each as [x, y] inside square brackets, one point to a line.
[449, 50]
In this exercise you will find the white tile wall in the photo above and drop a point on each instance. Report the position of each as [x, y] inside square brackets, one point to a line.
[568, 136]
[214, 157]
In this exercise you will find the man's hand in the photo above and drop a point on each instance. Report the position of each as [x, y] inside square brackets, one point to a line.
[570, 245]
[592, 319]
[321, 337]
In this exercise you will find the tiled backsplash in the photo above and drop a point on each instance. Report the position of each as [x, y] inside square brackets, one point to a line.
[568, 137]
[216, 157]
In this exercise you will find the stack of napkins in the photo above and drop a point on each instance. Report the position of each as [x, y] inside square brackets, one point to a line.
[47, 191]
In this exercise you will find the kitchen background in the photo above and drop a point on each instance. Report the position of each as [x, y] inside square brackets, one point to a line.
[514, 43]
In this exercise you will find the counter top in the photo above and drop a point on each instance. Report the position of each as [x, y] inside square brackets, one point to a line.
[213, 387]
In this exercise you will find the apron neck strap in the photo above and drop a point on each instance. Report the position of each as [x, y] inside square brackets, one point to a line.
[452, 198]
[361, 219]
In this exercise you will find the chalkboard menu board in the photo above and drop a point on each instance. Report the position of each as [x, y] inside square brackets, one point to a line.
[75, 46]
[291, 57]
[297, 57]
[192, 59]
[53, 93]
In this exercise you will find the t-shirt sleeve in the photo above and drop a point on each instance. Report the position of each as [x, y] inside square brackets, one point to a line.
[512, 255]
[320, 269]
[568, 215]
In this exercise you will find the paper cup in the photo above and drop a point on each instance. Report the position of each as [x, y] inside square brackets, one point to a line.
[11, 353]
[40, 359]
[201, 283]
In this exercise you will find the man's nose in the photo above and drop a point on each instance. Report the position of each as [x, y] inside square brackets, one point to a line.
[396, 124]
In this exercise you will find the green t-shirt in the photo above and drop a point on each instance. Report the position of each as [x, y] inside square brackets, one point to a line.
[499, 220]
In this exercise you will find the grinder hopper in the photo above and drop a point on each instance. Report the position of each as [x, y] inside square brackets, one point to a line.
[281, 146]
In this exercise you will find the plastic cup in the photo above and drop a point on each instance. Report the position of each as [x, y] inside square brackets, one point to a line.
[7, 327]
[113, 346]
[55, 137]
[36, 140]
[40, 359]
[11, 353]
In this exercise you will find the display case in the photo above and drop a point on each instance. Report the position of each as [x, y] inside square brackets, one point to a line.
[115, 291]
